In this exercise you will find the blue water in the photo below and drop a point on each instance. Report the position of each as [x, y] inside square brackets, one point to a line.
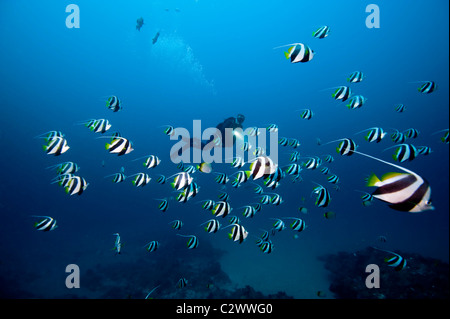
[213, 60]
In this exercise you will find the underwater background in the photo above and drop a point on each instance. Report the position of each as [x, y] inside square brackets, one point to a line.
[213, 60]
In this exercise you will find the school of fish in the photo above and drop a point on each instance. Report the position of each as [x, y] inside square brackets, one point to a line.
[401, 188]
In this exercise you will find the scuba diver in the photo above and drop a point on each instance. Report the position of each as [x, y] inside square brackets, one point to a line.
[139, 23]
[231, 122]
[220, 138]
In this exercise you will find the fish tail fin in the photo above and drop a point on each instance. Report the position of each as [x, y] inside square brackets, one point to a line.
[287, 55]
[372, 180]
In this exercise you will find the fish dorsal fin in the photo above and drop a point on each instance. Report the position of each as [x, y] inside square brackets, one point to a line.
[393, 165]
[373, 180]
[391, 175]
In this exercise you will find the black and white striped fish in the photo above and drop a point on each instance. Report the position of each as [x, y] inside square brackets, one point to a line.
[224, 196]
[234, 219]
[276, 199]
[400, 108]
[152, 161]
[376, 134]
[424, 150]
[238, 233]
[294, 169]
[404, 152]
[298, 224]
[306, 114]
[161, 179]
[163, 205]
[323, 197]
[295, 156]
[141, 179]
[249, 211]
[342, 93]
[76, 185]
[356, 102]
[212, 226]
[182, 282]
[322, 32]
[117, 243]
[355, 77]
[346, 147]
[366, 198]
[312, 163]
[169, 130]
[56, 146]
[293, 142]
[428, 87]
[298, 52]
[182, 197]
[278, 225]
[266, 247]
[411, 133]
[262, 166]
[114, 103]
[221, 178]
[241, 177]
[181, 180]
[237, 162]
[176, 224]
[119, 146]
[208, 204]
[398, 137]
[273, 179]
[283, 141]
[272, 128]
[152, 246]
[192, 241]
[329, 158]
[333, 179]
[407, 191]
[221, 209]
[47, 224]
[98, 126]
[396, 261]
[117, 177]
[265, 199]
